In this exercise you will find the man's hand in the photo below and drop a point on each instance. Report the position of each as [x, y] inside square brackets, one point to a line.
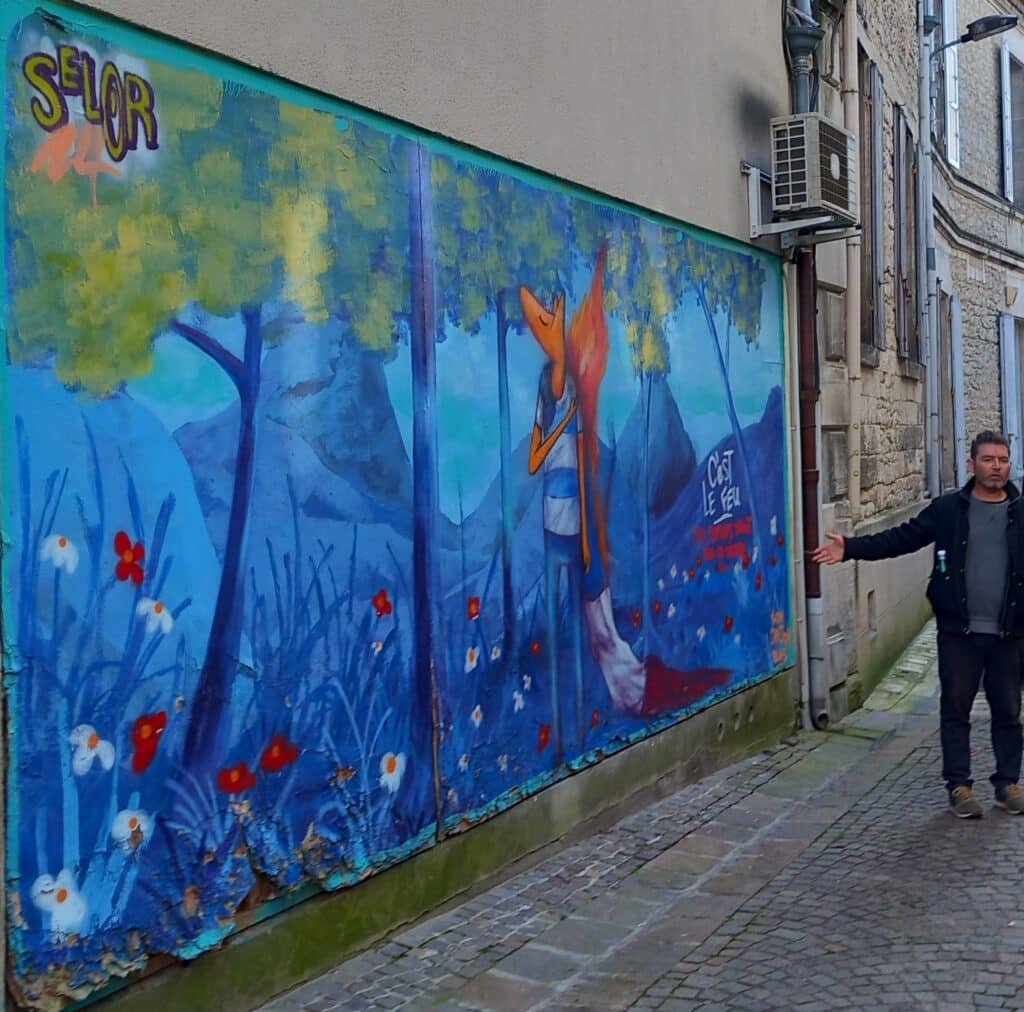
[832, 552]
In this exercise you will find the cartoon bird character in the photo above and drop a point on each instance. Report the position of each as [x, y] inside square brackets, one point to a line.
[564, 444]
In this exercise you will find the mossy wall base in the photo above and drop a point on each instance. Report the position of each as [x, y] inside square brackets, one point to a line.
[313, 936]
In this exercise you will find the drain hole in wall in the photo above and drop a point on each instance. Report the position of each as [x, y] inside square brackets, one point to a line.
[737, 719]
[721, 730]
[750, 715]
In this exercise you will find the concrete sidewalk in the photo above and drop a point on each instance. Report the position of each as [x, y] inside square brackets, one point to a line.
[825, 873]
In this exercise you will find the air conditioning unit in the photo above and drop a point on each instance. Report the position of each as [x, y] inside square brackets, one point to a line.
[814, 169]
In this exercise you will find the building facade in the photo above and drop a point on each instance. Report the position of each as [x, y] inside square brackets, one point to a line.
[897, 423]
[397, 458]
[400, 431]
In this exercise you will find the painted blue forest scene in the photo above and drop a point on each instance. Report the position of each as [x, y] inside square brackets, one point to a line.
[356, 486]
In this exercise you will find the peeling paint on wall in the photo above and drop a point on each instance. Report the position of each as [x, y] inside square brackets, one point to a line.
[355, 487]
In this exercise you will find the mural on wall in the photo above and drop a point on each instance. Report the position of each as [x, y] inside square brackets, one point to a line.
[354, 488]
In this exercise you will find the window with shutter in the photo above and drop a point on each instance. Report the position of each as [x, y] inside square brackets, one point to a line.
[871, 182]
[905, 214]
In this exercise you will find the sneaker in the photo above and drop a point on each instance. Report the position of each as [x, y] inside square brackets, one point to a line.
[1010, 799]
[964, 805]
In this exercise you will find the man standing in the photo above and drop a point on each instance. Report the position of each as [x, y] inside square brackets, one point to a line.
[976, 590]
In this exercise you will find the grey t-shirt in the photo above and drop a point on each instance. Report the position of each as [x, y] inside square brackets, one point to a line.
[987, 558]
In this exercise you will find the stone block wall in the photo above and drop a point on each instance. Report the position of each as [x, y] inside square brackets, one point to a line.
[892, 403]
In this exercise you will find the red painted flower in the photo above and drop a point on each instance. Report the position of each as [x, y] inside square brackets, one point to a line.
[780, 539]
[129, 558]
[473, 608]
[699, 561]
[278, 754]
[746, 561]
[382, 603]
[146, 732]
[595, 718]
[236, 779]
[543, 737]
[656, 607]
[535, 647]
[773, 561]
[758, 581]
[692, 574]
[636, 616]
[727, 624]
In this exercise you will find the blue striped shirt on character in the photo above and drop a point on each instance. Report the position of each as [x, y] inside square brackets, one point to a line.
[561, 474]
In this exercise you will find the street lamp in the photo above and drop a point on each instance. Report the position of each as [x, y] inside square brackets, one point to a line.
[982, 28]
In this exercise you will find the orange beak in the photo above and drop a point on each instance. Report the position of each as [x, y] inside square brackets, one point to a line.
[548, 329]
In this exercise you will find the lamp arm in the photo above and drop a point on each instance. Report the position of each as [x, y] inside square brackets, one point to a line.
[949, 45]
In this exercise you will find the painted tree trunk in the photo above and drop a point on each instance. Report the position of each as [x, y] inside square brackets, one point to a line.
[424, 722]
[508, 519]
[645, 482]
[737, 429]
[204, 741]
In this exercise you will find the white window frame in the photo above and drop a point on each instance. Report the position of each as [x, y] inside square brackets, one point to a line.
[1009, 368]
[956, 347]
[1011, 44]
[952, 68]
[1005, 102]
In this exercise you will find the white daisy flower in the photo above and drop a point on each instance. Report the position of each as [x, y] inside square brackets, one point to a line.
[503, 762]
[89, 747]
[702, 632]
[377, 646]
[671, 610]
[477, 715]
[392, 766]
[674, 571]
[132, 828]
[59, 897]
[495, 652]
[59, 549]
[773, 526]
[527, 682]
[463, 763]
[472, 658]
[156, 615]
[661, 585]
[517, 701]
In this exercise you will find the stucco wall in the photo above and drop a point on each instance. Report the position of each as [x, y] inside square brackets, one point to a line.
[655, 102]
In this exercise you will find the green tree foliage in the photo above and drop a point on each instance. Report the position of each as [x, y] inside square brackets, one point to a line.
[248, 199]
[726, 282]
[492, 233]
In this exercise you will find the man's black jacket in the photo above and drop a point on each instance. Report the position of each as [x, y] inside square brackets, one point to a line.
[943, 522]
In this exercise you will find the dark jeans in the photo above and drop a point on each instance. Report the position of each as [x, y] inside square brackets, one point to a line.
[962, 660]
